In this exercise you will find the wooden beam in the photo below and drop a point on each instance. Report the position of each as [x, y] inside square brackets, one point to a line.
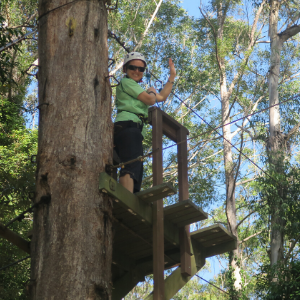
[14, 238]
[126, 283]
[158, 214]
[184, 232]
[170, 126]
[177, 280]
[127, 199]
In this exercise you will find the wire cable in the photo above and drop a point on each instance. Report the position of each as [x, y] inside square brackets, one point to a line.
[221, 135]
[234, 121]
[213, 129]
[14, 263]
[18, 40]
[213, 285]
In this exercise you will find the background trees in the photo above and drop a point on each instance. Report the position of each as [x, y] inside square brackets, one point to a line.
[17, 143]
[237, 58]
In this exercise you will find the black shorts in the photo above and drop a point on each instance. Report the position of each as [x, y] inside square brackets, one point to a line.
[128, 145]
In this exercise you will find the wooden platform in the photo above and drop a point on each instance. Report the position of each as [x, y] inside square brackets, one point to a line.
[157, 192]
[184, 213]
[133, 238]
[214, 239]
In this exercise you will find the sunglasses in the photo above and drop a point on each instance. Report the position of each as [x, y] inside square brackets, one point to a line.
[134, 68]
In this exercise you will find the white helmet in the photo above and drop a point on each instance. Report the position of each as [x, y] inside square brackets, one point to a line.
[134, 55]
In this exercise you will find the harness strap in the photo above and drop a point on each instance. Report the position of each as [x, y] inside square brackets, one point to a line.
[140, 116]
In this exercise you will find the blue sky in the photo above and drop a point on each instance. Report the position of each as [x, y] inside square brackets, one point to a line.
[192, 7]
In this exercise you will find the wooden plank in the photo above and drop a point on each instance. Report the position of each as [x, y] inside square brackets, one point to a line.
[170, 125]
[158, 216]
[127, 200]
[14, 238]
[216, 239]
[221, 248]
[184, 213]
[213, 236]
[176, 281]
[168, 129]
[156, 192]
[207, 232]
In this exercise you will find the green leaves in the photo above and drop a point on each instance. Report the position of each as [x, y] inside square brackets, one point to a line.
[286, 285]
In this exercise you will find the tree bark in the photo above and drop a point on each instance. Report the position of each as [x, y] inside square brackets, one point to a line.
[228, 161]
[72, 239]
[276, 149]
[274, 117]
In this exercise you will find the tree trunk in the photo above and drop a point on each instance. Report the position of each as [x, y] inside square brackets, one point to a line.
[72, 240]
[274, 147]
[228, 162]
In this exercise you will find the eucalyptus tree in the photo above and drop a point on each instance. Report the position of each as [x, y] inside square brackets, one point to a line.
[286, 15]
[231, 45]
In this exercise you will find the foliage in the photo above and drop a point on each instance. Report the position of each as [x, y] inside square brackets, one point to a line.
[17, 143]
[286, 285]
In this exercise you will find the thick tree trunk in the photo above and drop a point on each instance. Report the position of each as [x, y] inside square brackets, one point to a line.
[72, 239]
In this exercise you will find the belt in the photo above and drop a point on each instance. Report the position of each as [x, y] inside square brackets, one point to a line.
[121, 125]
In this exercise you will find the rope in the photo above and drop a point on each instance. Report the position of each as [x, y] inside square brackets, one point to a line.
[72, 2]
[140, 158]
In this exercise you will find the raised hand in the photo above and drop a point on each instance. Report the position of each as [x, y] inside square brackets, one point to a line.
[172, 69]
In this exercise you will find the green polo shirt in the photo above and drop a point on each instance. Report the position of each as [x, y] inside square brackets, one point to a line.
[127, 103]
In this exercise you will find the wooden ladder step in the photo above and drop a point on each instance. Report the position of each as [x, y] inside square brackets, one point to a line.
[215, 239]
[156, 193]
[184, 213]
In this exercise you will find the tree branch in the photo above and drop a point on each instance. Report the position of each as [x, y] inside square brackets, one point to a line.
[291, 248]
[250, 237]
[251, 44]
[266, 42]
[245, 181]
[148, 26]
[252, 212]
[292, 131]
[289, 32]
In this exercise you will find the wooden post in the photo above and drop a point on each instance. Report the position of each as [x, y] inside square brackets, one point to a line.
[158, 217]
[184, 232]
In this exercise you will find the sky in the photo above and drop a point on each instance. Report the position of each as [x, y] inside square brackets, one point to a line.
[213, 264]
[192, 7]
